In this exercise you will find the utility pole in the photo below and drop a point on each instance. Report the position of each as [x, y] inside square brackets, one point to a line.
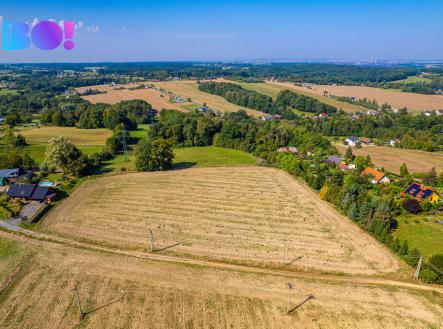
[417, 271]
[82, 315]
[290, 286]
[125, 146]
[151, 241]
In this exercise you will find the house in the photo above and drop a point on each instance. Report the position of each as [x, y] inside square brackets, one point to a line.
[266, 117]
[8, 174]
[427, 113]
[394, 142]
[421, 192]
[373, 113]
[439, 112]
[334, 159]
[352, 141]
[288, 149]
[32, 192]
[343, 167]
[277, 117]
[203, 109]
[366, 140]
[351, 166]
[323, 115]
[377, 177]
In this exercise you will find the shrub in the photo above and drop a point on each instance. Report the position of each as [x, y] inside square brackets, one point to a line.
[412, 206]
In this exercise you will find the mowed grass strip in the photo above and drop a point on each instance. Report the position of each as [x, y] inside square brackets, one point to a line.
[227, 213]
[125, 292]
[212, 156]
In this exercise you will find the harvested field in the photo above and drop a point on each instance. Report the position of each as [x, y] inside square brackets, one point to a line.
[77, 136]
[239, 215]
[127, 292]
[392, 158]
[398, 99]
[113, 95]
[189, 89]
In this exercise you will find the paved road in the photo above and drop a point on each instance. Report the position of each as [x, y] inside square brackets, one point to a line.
[11, 224]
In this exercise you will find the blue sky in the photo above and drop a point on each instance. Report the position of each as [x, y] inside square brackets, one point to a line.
[236, 30]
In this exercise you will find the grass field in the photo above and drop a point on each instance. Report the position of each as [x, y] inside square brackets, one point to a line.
[157, 99]
[273, 88]
[414, 80]
[422, 232]
[8, 92]
[239, 214]
[398, 99]
[190, 89]
[136, 291]
[88, 141]
[212, 156]
[392, 158]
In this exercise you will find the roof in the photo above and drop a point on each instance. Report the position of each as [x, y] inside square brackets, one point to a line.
[353, 139]
[21, 190]
[378, 175]
[334, 159]
[40, 192]
[365, 140]
[418, 191]
[343, 166]
[32, 191]
[9, 172]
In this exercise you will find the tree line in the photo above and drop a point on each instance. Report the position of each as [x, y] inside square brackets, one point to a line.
[283, 105]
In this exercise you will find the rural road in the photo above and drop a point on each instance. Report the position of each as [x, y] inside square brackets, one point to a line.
[54, 239]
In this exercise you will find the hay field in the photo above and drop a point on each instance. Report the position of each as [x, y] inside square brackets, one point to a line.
[186, 88]
[398, 99]
[237, 215]
[392, 158]
[139, 292]
[155, 97]
[272, 89]
[79, 137]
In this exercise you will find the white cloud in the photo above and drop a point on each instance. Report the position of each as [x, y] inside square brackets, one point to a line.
[93, 29]
[35, 21]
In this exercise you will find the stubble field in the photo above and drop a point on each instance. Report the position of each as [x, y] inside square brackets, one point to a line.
[392, 158]
[398, 99]
[241, 215]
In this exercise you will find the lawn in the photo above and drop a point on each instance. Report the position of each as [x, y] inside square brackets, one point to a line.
[8, 92]
[142, 131]
[212, 156]
[422, 233]
[208, 156]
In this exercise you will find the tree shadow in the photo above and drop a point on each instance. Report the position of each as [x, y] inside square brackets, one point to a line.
[168, 247]
[183, 165]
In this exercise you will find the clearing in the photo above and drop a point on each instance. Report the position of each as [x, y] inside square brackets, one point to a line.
[392, 158]
[398, 99]
[237, 215]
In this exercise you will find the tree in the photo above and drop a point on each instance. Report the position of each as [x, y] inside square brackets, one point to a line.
[63, 154]
[153, 155]
[404, 172]
[412, 206]
[349, 154]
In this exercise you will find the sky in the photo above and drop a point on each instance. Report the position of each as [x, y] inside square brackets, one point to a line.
[195, 30]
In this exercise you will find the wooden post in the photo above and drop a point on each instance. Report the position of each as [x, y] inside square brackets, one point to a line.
[290, 286]
[82, 315]
[417, 270]
[151, 241]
